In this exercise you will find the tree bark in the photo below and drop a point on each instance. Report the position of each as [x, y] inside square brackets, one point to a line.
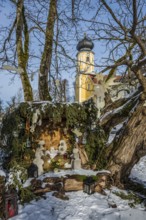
[23, 52]
[47, 53]
[141, 78]
[130, 147]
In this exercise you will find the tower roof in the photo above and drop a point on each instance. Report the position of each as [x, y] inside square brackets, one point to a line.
[85, 44]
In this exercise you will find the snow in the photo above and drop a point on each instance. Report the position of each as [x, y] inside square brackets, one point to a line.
[2, 173]
[105, 115]
[80, 206]
[27, 183]
[138, 173]
[62, 173]
[114, 111]
[114, 132]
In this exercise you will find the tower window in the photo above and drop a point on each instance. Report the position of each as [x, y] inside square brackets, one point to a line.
[87, 59]
[88, 86]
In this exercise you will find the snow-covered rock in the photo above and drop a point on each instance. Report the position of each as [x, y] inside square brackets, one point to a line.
[138, 173]
[2, 173]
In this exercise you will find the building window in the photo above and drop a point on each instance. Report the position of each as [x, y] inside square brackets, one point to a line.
[88, 57]
[88, 86]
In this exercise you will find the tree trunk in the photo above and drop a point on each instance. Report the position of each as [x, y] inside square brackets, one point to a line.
[142, 80]
[47, 53]
[23, 51]
[130, 147]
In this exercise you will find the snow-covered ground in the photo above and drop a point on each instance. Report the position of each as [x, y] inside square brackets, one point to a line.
[80, 205]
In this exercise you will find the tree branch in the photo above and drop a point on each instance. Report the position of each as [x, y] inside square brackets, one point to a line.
[134, 17]
[113, 15]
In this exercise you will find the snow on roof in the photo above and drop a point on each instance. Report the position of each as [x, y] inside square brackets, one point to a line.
[118, 78]
[94, 79]
[97, 81]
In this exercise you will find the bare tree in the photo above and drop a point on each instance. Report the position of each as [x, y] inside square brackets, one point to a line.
[47, 53]
[39, 31]
[123, 31]
[23, 49]
[121, 25]
[17, 47]
[60, 91]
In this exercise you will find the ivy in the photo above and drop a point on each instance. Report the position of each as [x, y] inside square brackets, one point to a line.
[26, 195]
[53, 116]
[131, 196]
[95, 147]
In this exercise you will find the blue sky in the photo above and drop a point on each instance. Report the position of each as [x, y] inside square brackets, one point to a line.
[9, 87]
